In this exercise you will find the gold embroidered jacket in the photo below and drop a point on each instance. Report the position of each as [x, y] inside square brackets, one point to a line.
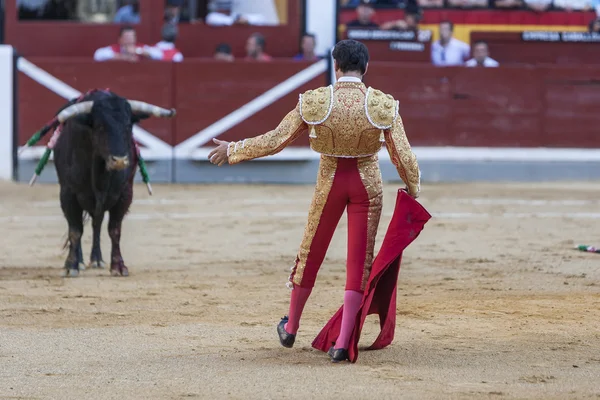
[344, 120]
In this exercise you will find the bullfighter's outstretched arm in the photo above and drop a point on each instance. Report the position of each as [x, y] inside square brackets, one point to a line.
[269, 143]
[402, 157]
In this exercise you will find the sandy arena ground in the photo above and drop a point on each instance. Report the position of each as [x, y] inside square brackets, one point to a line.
[493, 301]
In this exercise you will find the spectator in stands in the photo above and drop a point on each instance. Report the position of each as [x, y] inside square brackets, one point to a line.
[538, 5]
[255, 48]
[447, 50]
[468, 3]
[431, 3]
[129, 13]
[508, 3]
[173, 12]
[243, 12]
[223, 53]
[364, 14]
[409, 23]
[573, 5]
[307, 46]
[127, 49]
[167, 44]
[47, 9]
[594, 26]
[481, 56]
[258, 12]
[31, 9]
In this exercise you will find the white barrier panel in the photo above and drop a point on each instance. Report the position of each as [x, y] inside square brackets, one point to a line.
[6, 112]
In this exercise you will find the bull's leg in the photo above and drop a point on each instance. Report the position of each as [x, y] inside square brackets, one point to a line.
[96, 257]
[74, 215]
[117, 213]
[80, 256]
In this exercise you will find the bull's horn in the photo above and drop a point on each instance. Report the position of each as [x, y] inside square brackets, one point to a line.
[159, 112]
[76, 109]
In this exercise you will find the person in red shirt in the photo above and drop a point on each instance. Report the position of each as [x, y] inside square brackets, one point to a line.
[255, 48]
[127, 49]
[167, 44]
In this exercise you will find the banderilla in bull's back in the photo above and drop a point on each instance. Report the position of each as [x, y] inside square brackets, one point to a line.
[76, 107]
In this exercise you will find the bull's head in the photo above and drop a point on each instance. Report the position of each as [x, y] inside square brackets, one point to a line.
[111, 122]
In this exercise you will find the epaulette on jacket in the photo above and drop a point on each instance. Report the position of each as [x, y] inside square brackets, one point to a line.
[381, 109]
[315, 106]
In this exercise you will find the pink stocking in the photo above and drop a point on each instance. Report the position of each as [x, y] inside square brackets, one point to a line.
[352, 300]
[298, 300]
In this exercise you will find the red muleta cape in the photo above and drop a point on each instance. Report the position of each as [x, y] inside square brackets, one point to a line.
[380, 294]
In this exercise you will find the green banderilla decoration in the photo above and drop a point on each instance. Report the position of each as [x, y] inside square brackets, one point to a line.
[41, 164]
[144, 172]
[586, 248]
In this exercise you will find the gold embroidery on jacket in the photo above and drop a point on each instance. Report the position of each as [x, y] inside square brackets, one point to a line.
[327, 168]
[271, 142]
[402, 157]
[347, 131]
[381, 109]
[370, 175]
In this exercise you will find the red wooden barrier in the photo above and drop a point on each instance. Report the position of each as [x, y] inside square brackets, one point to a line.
[545, 106]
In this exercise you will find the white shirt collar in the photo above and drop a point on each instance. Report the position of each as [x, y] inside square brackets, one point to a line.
[349, 79]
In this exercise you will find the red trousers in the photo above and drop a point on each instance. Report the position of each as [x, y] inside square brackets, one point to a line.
[355, 184]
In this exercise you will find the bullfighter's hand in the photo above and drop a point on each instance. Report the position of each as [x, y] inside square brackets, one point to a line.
[218, 155]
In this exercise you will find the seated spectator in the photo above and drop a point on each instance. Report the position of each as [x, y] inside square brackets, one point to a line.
[223, 53]
[258, 12]
[538, 5]
[468, 3]
[594, 26]
[127, 49]
[243, 12]
[47, 9]
[255, 48]
[431, 3]
[573, 5]
[167, 44]
[128, 14]
[307, 44]
[31, 9]
[481, 56]
[409, 23]
[364, 14]
[173, 12]
[508, 3]
[447, 50]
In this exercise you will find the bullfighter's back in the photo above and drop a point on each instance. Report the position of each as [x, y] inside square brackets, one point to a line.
[348, 119]
[344, 120]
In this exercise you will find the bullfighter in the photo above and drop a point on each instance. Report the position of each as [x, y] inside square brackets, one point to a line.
[347, 123]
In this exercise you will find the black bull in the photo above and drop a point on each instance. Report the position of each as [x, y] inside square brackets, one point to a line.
[96, 161]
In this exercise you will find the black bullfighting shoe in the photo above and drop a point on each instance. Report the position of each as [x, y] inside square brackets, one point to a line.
[286, 339]
[338, 355]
